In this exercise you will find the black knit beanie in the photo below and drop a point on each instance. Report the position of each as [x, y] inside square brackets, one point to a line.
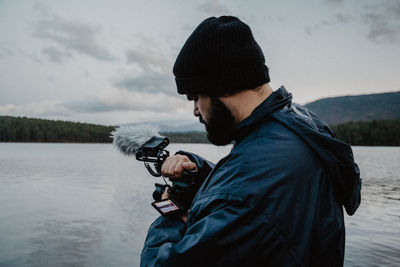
[220, 57]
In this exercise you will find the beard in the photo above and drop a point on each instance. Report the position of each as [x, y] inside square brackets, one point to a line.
[220, 125]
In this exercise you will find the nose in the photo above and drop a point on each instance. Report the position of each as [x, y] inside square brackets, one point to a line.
[196, 111]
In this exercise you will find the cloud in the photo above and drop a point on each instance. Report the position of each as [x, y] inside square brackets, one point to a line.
[311, 29]
[148, 60]
[116, 99]
[337, 19]
[343, 19]
[187, 28]
[121, 106]
[383, 22]
[14, 50]
[43, 108]
[335, 1]
[151, 73]
[151, 83]
[71, 37]
[54, 54]
[5, 52]
[109, 106]
[214, 7]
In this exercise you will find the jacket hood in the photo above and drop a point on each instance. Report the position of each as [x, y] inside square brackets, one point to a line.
[336, 156]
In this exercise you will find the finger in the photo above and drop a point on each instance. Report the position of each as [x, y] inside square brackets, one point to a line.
[190, 166]
[184, 217]
[165, 166]
[165, 195]
[176, 168]
[179, 168]
[172, 166]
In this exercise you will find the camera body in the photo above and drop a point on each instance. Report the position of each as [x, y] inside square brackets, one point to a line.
[180, 192]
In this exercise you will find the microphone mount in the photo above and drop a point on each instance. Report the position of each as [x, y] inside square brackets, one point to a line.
[153, 152]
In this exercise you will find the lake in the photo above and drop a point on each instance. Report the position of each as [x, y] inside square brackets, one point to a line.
[88, 205]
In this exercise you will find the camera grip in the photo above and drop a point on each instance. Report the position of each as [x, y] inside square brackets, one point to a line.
[189, 173]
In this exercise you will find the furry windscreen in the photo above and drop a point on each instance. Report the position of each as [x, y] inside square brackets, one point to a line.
[130, 137]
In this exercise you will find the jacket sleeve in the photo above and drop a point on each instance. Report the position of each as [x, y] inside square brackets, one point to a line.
[204, 166]
[222, 229]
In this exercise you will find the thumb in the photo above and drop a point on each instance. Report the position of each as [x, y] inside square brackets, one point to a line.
[189, 166]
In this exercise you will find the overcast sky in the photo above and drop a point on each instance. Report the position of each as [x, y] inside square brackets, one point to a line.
[110, 62]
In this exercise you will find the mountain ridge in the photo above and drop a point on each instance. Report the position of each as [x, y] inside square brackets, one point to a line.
[368, 107]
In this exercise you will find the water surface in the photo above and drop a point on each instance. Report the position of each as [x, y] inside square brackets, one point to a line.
[88, 205]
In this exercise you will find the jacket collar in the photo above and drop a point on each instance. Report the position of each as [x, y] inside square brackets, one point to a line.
[276, 101]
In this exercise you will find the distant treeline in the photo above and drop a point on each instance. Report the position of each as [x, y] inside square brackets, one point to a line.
[375, 133]
[186, 137]
[22, 129]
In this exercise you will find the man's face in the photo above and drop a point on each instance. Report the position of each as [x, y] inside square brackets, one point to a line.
[216, 116]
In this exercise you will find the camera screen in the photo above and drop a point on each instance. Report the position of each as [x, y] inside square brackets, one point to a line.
[166, 206]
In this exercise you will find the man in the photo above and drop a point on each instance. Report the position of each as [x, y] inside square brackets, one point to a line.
[277, 199]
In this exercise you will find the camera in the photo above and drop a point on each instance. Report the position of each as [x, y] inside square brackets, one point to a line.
[182, 192]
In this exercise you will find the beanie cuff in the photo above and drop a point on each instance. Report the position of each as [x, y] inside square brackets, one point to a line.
[224, 83]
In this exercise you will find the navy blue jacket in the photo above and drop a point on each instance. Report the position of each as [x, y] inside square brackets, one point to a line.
[276, 200]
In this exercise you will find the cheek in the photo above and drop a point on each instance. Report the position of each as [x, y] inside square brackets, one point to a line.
[204, 111]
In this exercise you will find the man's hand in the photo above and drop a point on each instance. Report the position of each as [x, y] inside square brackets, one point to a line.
[174, 166]
[165, 195]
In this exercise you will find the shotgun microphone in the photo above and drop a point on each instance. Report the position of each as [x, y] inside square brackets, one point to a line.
[128, 139]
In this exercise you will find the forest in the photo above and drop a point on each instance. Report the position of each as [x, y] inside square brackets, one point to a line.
[23, 129]
[186, 137]
[375, 133]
